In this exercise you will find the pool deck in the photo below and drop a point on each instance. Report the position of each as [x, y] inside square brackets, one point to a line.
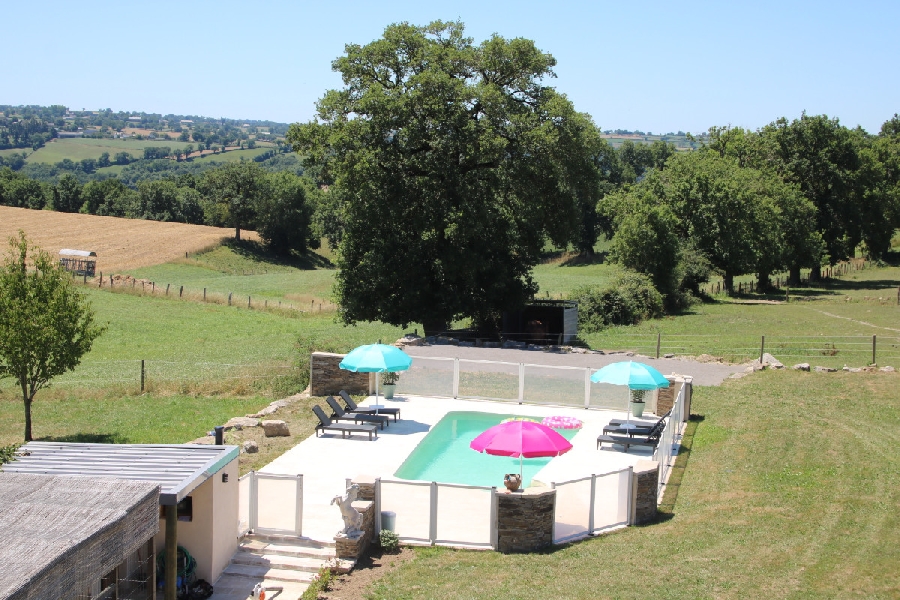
[327, 461]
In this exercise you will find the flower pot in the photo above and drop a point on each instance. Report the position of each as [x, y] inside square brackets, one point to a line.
[389, 390]
[637, 409]
[512, 481]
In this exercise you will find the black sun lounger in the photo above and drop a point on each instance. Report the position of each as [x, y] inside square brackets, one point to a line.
[650, 441]
[339, 414]
[615, 426]
[352, 407]
[325, 424]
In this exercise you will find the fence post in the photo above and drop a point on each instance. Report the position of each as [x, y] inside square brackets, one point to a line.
[142, 375]
[378, 506]
[299, 514]
[587, 387]
[204, 294]
[591, 505]
[229, 298]
[167, 289]
[521, 382]
[248, 301]
[180, 291]
[254, 502]
[873, 350]
[152, 287]
[455, 378]
[762, 349]
[658, 341]
[494, 506]
[432, 519]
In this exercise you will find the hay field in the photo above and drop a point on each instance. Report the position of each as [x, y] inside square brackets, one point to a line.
[120, 244]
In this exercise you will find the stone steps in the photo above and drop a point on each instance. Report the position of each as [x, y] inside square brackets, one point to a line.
[275, 561]
[265, 573]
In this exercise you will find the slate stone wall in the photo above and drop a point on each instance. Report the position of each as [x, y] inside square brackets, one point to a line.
[646, 479]
[525, 520]
[327, 378]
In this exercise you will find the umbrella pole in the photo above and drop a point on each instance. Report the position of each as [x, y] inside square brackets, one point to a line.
[520, 467]
[628, 409]
[377, 377]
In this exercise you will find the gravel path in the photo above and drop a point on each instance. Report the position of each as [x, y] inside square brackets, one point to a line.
[703, 373]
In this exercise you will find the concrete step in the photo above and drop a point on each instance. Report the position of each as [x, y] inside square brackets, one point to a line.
[290, 540]
[277, 561]
[265, 572]
[286, 549]
[239, 587]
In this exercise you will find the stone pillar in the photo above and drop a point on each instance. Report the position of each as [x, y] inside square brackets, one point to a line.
[525, 520]
[327, 378]
[352, 548]
[644, 499]
[366, 485]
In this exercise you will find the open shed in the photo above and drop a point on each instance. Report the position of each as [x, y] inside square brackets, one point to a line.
[200, 480]
[73, 537]
[79, 262]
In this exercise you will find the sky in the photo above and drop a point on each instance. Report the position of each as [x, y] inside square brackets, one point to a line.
[637, 65]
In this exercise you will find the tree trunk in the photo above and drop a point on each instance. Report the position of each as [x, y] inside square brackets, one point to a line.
[28, 401]
[728, 283]
[764, 283]
[434, 327]
[815, 274]
[237, 233]
[794, 276]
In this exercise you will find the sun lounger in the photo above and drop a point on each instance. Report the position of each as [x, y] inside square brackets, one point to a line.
[616, 426]
[651, 440]
[339, 414]
[352, 407]
[325, 424]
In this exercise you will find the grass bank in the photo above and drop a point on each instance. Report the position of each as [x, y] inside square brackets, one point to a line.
[790, 492]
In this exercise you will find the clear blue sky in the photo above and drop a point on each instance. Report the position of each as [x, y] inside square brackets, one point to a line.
[654, 66]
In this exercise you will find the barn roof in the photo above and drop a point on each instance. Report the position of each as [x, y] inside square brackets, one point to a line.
[70, 252]
[177, 469]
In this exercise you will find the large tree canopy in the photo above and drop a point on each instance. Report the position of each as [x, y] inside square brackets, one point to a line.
[451, 164]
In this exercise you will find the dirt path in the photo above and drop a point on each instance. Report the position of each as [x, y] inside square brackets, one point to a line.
[828, 314]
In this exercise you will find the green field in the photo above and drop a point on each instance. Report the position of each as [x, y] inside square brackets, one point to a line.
[77, 149]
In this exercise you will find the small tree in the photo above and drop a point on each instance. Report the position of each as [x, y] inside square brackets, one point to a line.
[46, 325]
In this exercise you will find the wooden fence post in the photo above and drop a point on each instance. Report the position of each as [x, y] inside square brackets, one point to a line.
[180, 291]
[873, 350]
[762, 349]
[229, 298]
[658, 340]
[248, 302]
[167, 289]
[204, 294]
[142, 376]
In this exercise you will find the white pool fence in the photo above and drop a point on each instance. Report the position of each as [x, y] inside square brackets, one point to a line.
[270, 504]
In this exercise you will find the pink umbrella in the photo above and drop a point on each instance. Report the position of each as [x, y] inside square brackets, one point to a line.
[525, 439]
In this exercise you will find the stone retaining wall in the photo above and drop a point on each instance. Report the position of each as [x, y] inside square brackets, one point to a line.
[525, 520]
[327, 378]
[646, 480]
[666, 396]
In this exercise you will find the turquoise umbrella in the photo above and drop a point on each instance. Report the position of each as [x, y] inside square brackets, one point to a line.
[376, 358]
[634, 375]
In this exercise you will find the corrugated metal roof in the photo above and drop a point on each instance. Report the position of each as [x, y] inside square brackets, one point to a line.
[177, 469]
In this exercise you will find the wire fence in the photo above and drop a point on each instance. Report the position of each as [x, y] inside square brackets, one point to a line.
[830, 350]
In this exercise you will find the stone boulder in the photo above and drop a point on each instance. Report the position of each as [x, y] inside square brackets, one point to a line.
[275, 428]
[887, 369]
[250, 447]
[801, 367]
[825, 370]
[410, 339]
[241, 422]
[773, 362]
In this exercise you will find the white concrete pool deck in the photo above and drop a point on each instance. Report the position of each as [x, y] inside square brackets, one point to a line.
[325, 462]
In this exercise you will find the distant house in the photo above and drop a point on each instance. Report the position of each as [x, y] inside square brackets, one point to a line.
[187, 122]
[134, 118]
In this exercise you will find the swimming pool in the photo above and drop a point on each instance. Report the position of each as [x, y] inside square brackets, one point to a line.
[444, 454]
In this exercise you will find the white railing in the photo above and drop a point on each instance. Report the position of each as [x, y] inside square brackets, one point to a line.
[670, 440]
[439, 514]
[270, 504]
[592, 505]
[509, 382]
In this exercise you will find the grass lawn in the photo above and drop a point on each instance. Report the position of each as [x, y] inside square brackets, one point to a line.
[790, 492]
[77, 149]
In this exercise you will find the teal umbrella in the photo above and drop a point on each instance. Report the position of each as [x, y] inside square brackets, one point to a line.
[376, 358]
[634, 375]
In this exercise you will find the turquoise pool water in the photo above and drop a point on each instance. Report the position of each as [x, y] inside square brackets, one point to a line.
[444, 454]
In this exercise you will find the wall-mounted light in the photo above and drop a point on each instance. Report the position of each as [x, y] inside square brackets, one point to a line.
[224, 477]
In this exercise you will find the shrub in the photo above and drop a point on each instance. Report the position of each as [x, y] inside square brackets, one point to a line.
[389, 540]
[627, 300]
[7, 453]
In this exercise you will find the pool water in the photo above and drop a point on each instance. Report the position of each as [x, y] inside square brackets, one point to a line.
[444, 454]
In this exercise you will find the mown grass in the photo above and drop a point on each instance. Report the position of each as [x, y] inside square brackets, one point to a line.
[789, 493]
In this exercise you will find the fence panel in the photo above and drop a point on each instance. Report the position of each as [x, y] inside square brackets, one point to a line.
[573, 510]
[427, 377]
[612, 500]
[464, 515]
[488, 379]
[244, 490]
[564, 386]
[411, 501]
[608, 396]
[279, 502]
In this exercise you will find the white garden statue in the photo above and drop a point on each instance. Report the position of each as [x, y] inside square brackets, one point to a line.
[352, 517]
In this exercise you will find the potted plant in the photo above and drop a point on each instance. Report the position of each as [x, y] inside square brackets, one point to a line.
[637, 403]
[389, 383]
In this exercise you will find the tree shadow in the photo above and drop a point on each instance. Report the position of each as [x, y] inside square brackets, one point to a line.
[87, 438]
[584, 260]
[258, 252]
